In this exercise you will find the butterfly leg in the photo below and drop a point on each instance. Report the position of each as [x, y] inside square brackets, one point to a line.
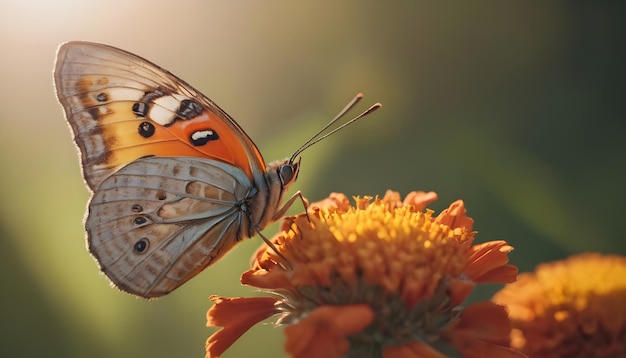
[269, 243]
[279, 214]
[297, 195]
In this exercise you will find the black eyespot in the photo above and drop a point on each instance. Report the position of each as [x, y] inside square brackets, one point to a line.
[188, 109]
[146, 129]
[137, 208]
[141, 246]
[140, 220]
[140, 109]
[102, 97]
[202, 137]
[161, 195]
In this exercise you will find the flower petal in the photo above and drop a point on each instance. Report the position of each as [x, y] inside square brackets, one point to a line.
[485, 320]
[481, 329]
[420, 199]
[323, 332]
[459, 290]
[486, 263]
[335, 200]
[236, 315]
[455, 217]
[266, 279]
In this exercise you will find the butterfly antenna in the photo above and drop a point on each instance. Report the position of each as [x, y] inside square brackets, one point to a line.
[316, 137]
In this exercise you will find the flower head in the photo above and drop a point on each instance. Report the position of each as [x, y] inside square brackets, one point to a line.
[570, 308]
[382, 278]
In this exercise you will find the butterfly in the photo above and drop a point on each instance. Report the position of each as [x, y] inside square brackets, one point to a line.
[175, 182]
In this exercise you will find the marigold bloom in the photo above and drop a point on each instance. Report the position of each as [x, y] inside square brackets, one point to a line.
[570, 308]
[383, 278]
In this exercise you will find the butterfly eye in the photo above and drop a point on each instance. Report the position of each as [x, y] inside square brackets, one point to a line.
[141, 246]
[288, 173]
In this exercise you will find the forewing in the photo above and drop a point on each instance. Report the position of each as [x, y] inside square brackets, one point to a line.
[157, 222]
[122, 107]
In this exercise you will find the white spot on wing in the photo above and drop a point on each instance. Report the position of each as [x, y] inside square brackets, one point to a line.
[201, 134]
[124, 94]
[161, 115]
[168, 102]
[164, 109]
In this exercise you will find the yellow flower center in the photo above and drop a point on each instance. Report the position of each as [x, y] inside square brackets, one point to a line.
[395, 248]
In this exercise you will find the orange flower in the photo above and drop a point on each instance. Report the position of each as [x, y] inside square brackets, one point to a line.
[570, 308]
[383, 278]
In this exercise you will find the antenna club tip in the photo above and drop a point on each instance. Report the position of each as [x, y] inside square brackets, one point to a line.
[359, 95]
[378, 104]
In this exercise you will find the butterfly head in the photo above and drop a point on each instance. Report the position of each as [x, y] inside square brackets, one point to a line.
[287, 171]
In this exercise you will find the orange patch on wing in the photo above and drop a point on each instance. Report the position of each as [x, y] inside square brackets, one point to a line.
[120, 132]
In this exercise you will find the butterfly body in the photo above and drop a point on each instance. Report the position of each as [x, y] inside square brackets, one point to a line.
[175, 181]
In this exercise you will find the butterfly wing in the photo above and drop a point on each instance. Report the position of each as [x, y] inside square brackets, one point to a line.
[122, 107]
[157, 222]
[168, 168]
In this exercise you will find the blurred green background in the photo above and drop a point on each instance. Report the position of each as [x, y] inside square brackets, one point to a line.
[515, 107]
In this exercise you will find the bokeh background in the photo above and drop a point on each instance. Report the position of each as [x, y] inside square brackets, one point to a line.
[515, 107]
